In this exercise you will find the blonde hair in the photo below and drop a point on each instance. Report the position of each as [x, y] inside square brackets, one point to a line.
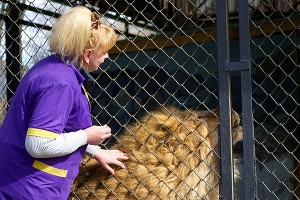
[78, 30]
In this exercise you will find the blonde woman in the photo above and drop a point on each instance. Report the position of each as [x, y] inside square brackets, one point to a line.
[48, 126]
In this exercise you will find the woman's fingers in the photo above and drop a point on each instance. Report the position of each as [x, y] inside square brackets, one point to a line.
[111, 157]
[121, 155]
[97, 134]
[108, 169]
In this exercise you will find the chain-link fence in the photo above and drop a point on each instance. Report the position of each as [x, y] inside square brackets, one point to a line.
[166, 55]
[276, 92]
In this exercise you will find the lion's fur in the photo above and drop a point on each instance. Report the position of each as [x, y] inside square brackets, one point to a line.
[173, 155]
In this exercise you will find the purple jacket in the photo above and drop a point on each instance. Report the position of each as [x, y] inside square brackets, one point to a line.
[49, 101]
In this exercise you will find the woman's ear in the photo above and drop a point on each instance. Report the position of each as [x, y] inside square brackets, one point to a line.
[86, 56]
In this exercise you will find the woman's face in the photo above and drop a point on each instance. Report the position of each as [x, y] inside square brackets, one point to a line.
[93, 59]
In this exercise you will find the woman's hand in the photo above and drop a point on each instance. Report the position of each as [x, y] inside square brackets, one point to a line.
[110, 157]
[97, 134]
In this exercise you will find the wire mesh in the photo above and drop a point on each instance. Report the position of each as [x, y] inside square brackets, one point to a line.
[166, 55]
[275, 99]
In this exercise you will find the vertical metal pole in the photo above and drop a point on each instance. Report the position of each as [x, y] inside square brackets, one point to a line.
[12, 49]
[226, 185]
[246, 91]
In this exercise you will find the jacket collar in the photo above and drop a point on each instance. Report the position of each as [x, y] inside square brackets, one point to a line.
[82, 75]
[89, 81]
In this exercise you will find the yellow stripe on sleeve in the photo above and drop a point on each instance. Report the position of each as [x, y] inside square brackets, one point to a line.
[50, 170]
[41, 133]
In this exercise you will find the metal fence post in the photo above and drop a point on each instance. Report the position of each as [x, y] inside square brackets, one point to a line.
[225, 67]
[226, 185]
[246, 91]
[13, 49]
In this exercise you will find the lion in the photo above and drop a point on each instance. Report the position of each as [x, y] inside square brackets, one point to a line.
[173, 155]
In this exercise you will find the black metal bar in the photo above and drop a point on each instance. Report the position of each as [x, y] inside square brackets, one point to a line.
[237, 66]
[246, 91]
[35, 25]
[12, 49]
[226, 185]
[111, 5]
[23, 6]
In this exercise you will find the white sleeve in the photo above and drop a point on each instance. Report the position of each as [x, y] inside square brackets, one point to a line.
[92, 149]
[66, 143]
